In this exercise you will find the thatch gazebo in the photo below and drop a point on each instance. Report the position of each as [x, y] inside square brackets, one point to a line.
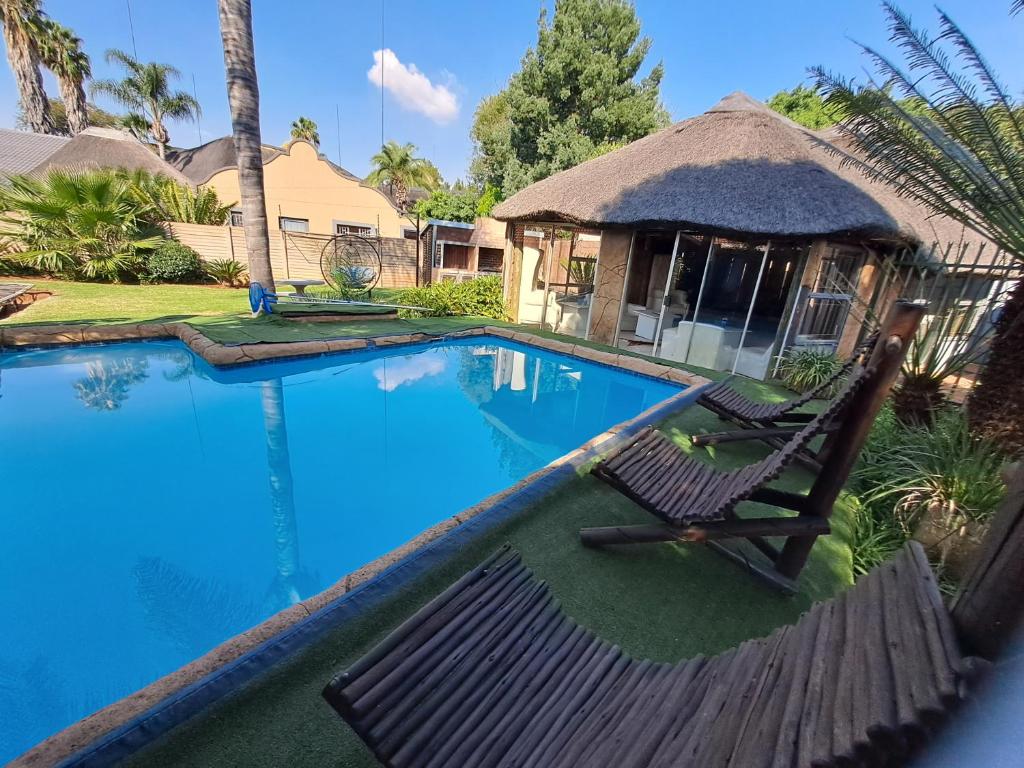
[750, 229]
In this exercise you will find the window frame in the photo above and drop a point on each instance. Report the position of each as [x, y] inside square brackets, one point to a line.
[282, 219]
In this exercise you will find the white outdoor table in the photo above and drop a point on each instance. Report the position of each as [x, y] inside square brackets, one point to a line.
[301, 285]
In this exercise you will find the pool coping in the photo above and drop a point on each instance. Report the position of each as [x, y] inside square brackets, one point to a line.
[135, 720]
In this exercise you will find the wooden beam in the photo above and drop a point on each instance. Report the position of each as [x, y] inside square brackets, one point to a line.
[698, 532]
[990, 605]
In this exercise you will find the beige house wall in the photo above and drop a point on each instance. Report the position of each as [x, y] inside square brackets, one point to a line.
[300, 184]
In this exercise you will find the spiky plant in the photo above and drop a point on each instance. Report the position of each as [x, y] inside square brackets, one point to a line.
[397, 166]
[146, 90]
[78, 224]
[962, 155]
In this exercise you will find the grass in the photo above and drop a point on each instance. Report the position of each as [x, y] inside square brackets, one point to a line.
[98, 303]
[664, 602]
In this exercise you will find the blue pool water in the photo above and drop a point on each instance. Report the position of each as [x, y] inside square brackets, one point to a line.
[141, 528]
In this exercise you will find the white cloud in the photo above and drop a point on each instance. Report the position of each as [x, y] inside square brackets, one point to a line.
[407, 371]
[412, 88]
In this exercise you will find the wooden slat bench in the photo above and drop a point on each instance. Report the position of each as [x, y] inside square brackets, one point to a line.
[493, 673]
[696, 502]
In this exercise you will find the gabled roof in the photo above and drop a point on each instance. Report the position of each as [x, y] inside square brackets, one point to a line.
[97, 148]
[21, 151]
[201, 163]
[738, 169]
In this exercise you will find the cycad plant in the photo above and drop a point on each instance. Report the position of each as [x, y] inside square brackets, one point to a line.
[962, 155]
[397, 166]
[78, 224]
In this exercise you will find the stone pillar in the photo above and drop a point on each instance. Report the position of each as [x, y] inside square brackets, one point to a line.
[606, 305]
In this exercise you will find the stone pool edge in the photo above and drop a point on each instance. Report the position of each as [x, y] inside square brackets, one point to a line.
[81, 742]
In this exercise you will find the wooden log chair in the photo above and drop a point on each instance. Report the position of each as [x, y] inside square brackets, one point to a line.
[770, 422]
[697, 502]
[493, 673]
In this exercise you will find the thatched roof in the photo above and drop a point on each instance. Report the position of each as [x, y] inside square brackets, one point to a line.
[738, 169]
[200, 163]
[96, 148]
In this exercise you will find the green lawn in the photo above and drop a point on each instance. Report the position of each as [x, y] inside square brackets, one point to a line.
[97, 303]
[664, 602]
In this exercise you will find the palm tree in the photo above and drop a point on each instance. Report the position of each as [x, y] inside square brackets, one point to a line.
[61, 53]
[146, 89]
[21, 29]
[244, 100]
[306, 129]
[963, 158]
[397, 166]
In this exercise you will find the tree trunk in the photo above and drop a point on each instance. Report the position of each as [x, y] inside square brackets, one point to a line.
[24, 61]
[73, 94]
[996, 406]
[401, 193]
[160, 136]
[244, 100]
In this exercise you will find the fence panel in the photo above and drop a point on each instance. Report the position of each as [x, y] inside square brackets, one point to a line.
[295, 254]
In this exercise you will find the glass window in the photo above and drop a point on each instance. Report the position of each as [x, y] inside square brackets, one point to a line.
[289, 224]
[363, 230]
[235, 218]
[409, 233]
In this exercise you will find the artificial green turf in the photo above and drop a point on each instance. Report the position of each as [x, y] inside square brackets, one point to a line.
[231, 329]
[664, 602]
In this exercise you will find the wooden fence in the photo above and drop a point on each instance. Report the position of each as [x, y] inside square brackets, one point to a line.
[295, 254]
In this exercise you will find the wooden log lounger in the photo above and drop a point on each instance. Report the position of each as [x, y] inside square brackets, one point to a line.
[697, 502]
[493, 673]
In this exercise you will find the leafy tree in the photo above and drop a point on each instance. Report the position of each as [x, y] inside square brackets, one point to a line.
[78, 224]
[244, 101]
[804, 106]
[20, 19]
[397, 166]
[306, 129]
[146, 91]
[489, 198]
[94, 115]
[575, 95]
[61, 53]
[964, 159]
[447, 205]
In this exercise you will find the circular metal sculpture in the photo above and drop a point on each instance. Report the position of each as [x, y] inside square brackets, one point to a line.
[351, 263]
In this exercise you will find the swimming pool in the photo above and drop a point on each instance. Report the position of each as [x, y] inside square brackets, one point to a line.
[156, 506]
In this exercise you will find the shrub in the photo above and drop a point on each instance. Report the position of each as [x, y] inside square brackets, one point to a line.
[806, 369]
[482, 297]
[229, 272]
[173, 262]
[78, 224]
[350, 282]
[172, 201]
[906, 473]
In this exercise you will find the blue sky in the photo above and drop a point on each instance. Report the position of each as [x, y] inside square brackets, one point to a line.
[314, 55]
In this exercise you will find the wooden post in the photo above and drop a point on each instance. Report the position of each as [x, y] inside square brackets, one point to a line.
[513, 268]
[896, 335]
[988, 608]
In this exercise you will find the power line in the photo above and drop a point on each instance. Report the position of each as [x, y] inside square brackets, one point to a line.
[131, 27]
[383, 58]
